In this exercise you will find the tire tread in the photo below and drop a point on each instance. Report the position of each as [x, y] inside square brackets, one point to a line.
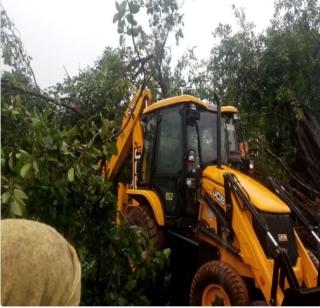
[142, 216]
[223, 274]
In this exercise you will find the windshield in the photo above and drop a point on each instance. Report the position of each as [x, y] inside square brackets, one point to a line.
[202, 137]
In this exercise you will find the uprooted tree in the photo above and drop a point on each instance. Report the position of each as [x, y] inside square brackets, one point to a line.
[274, 79]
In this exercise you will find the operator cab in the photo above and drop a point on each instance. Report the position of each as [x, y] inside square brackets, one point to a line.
[180, 140]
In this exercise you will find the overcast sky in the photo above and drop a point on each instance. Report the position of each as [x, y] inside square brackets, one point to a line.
[74, 33]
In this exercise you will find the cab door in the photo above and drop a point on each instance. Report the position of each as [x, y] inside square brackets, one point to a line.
[169, 160]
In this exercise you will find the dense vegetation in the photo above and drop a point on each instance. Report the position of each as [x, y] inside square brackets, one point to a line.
[51, 141]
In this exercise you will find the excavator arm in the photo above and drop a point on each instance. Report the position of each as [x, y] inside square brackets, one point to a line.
[141, 99]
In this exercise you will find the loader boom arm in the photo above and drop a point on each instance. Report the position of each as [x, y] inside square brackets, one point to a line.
[141, 99]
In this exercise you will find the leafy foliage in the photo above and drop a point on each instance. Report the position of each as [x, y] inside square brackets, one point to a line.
[49, 173]
[273, 77]
[13, 52]
[53, 179]
[149, 43]
[100, 90]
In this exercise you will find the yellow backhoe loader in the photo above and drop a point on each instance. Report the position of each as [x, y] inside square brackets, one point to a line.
[188, 178]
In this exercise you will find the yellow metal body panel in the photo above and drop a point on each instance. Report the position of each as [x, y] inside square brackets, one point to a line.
[153, 200]
[126, 199]
[260, 196]
[229, 109]
[174, 101]
[242, 268]
[309, 272]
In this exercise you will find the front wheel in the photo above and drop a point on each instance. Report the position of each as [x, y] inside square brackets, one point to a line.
[218, 284]
[142, 216]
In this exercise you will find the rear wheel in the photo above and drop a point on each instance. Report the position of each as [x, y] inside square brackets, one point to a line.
[142, 216]
[218, 284]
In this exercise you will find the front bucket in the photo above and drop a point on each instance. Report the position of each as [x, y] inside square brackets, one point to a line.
[302, 297]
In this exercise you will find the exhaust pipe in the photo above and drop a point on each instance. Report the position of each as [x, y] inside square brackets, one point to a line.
[217, 100]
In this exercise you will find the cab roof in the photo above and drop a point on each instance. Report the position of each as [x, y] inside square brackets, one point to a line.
[175, 100]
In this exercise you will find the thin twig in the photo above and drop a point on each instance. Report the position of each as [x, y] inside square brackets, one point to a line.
[66, 72]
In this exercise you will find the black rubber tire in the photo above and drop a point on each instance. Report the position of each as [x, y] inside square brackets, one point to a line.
[219, 273]
[313, 258]
[142, 216]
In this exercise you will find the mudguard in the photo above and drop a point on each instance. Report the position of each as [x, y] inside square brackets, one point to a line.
[153, 200]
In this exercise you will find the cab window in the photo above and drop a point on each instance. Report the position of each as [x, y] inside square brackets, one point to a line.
[170, 144]
[149, 130]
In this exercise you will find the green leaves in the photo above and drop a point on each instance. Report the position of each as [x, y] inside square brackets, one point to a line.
[133, 7]
[25, 170]
[71, 175]
[125, 18]
[131, 20]
[17, 205]
[178, 36]
[3, 160]
[15, 199]
[25, 164]
[5, 197]
[13, 52]
[121, 7]
[35, 166]
[121, 10]
[133, 32]
[18, 193]
[274, 78]
[164, 20]
[115, 18]
[167, 252]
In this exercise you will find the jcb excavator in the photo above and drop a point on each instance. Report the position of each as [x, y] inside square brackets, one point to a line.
[188, 178]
